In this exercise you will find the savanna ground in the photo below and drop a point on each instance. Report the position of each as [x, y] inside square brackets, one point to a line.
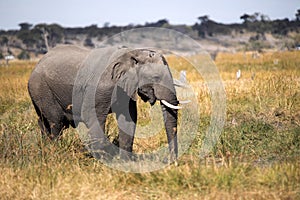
[257, 155]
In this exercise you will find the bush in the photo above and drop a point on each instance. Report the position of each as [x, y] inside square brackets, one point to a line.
[24, 55]
[89, 43]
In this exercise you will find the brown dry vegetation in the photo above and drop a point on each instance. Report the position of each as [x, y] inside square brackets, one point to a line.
[256, 157]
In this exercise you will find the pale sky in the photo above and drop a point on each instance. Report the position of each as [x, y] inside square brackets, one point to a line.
[81, 13]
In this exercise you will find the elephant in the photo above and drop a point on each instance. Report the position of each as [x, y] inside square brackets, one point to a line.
[70, 83]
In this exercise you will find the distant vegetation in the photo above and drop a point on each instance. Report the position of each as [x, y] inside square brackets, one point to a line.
[257, 32]
[256, 156]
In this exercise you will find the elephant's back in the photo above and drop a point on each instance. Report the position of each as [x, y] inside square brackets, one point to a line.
[62, 62]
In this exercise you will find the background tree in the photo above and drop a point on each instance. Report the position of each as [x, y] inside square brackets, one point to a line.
[88, 43]
[159, 23]
[298, 15]
[162, 22]
[51, 34]
[245, 17]
[4, 41]
[203, 19]
[92, 30]
[25, 26]
[203, 27]
[264, 18]
[24, 55]
[106, 24]
[26, 36]
[41, 29]
[56, 34]
[254, 17]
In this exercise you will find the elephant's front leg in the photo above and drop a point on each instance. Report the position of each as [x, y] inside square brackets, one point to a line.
[98, 143]
[127, 118]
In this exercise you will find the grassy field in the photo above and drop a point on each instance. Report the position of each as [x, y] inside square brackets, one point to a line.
[256, 157]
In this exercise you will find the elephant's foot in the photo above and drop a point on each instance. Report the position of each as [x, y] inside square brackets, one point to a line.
[127, 156]
[169, 160]
[102, 149]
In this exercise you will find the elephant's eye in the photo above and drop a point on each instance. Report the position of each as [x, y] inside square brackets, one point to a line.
[156, 78]
[151, 54]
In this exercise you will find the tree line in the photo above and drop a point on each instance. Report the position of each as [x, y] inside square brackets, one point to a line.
[39, 38]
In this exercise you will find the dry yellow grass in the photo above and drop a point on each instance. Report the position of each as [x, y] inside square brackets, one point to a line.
[257, 156]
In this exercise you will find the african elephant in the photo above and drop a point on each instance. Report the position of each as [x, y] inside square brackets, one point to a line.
[70, 83]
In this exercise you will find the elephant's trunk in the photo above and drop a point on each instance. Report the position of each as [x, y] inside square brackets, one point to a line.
[170, 117]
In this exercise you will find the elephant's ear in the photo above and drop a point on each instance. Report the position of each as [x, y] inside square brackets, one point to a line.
[120, 68]
[126, 85]
[126, 79]
[117, 71]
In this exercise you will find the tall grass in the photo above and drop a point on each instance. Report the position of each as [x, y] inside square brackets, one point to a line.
[13, 84]
[256, 157]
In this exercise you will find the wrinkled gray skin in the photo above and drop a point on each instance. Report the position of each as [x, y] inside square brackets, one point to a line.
[107, 80]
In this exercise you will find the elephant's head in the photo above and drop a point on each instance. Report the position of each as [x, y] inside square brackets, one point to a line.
[146, 73]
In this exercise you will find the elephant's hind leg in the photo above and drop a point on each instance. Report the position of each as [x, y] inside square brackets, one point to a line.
[51, 129]
[42, 121]
[44, 126]
[51, 123]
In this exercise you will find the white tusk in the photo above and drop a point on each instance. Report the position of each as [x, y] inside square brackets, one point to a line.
[170, 105]
[179, 84]
[185, 102]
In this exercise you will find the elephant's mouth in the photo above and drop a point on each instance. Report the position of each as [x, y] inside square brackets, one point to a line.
[147, 94]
